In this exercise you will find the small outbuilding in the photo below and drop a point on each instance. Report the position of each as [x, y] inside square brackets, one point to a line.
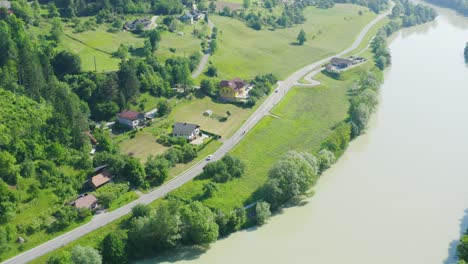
[140, 23]
[87, 201]
[185, 130]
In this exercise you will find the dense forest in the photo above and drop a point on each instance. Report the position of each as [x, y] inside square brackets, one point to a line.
[459, 5]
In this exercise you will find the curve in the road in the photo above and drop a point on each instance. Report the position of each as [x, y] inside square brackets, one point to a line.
[106, 218]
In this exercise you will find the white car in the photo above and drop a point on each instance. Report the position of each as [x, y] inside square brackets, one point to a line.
[209, 157]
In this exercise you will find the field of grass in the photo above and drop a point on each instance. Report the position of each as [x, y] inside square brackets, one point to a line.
[142, 145]
[185, 45]
[99, 43]
[192, 112]
[245, 52]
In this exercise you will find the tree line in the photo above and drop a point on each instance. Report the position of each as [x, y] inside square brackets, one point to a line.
[458, 5]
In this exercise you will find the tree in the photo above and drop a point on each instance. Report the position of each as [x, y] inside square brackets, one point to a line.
[209, 86]
[129, 84]
[113, 248]
[141, 210]
[154, 38]
[209, 189]
[246, 4]
[326, 158]
[53, 11]
[85, 255]
[466, 52]
[163, 107]
[213, 46]
[212, 71]
[56, 30]
[8, 201]
[262, 210]
[157, 169]
[462, 248]
[66, 62]
[134, 172]
[8, 168]
[360, 116]
[301, 37]
[237, 219]
[199, 225]
[290, 177]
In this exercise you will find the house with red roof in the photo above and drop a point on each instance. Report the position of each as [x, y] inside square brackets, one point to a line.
[131, 119]
[233, 90]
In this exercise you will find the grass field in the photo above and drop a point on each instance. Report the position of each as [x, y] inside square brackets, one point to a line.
[245, 52]
[101, 44]
[185, 45]
[192, 112]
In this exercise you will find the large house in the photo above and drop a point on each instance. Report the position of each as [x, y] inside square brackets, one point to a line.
[87, 201]
[233, 90]
[341, 63]
[140, 23]
[185, 130]
[131, 119]
[191, 16]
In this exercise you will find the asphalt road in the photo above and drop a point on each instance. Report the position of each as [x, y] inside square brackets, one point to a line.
[205, 57]
[105, 218]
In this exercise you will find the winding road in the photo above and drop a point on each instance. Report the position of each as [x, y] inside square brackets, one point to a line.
[106, 218]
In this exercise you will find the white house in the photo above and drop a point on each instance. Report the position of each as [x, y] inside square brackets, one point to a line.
[185, 130]
[131, 119]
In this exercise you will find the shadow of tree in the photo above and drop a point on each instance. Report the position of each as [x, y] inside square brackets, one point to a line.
[452, 248]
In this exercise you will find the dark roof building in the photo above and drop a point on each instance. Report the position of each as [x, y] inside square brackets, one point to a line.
[144, 22]
[185, 130]
[341, 63]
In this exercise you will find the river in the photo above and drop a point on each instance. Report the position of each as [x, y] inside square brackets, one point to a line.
[400, 192]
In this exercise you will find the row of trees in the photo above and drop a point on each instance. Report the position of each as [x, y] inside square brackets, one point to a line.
[459, 5]
[412, 14]
[291, 15]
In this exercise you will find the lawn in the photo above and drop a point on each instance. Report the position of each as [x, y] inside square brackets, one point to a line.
[192, 112]
[184, 45]
[245, 52]
[142, 145]
[100, 44]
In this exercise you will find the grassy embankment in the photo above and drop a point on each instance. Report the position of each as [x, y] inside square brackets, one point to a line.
[307, 116]
[245, 52]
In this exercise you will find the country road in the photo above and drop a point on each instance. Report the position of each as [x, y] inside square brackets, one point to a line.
[105, 218]
[205, 57]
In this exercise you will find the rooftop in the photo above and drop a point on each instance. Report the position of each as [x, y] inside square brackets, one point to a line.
[101, 178]
[130, 115]
[86, 201]
[184, 128]
[236, 83]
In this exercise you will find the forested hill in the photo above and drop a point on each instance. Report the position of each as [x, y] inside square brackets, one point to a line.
[42, 122]
[459, 5]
